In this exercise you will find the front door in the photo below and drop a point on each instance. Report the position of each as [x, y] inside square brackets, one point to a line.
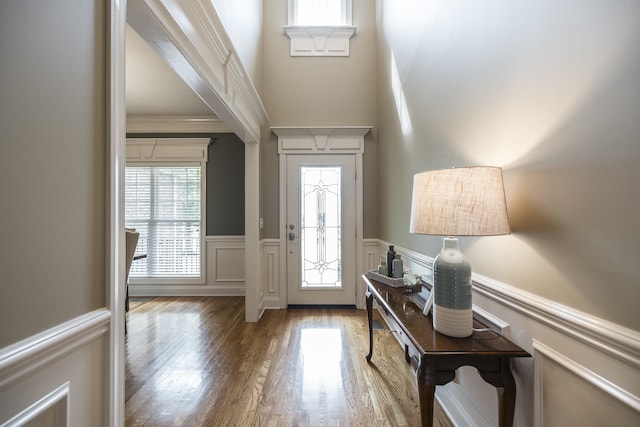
[321, 230]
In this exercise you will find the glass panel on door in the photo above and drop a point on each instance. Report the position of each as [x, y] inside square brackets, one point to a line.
[321, 226]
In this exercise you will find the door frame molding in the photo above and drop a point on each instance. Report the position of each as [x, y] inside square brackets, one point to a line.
[320, 140]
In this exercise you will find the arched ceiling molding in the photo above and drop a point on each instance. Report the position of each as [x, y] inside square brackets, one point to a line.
[190, 36]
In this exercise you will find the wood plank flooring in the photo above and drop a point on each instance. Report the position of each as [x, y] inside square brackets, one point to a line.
[193, 361]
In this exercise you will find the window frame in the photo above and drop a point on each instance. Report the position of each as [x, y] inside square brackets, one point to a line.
[172, 152]
[199, 279]
[320, 40]
[346, 18]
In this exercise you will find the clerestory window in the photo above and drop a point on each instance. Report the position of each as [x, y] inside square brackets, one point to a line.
[319, 12]
[320, 27]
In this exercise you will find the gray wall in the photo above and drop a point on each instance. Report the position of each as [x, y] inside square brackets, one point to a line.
[225, 186]
[550, 91]
[308, 91]
[225, 181]
[52, 164]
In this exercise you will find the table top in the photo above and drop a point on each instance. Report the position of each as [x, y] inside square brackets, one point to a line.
[406, 308]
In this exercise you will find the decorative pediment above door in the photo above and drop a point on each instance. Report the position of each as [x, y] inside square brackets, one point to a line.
[321, 139]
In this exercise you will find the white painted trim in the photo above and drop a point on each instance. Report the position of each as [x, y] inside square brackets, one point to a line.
[360, 292]
[491, 320]
[613, 390]
[610, 338]
[457, 405]
[347, 12]
[282, 173]
[536, 318]
[19, 360]
[187, 290]
[179, 150]
[214, 284]
[216, 245]
[175, 124]
[191, 37]
[174, 152]
[370, 255]
[37, 408]
[271, 286]
[254, 306]
[321, 139]
[319, 41]
[114, 396]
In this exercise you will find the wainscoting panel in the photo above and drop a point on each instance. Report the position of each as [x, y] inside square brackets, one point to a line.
[595, 400]
[272, 288]
[371, 254]
[225, 263]
[584, 370]
[225, 271]
[57, 377]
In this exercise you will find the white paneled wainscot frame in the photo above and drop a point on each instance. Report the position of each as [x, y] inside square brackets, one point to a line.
[54, 377]
[584, 370]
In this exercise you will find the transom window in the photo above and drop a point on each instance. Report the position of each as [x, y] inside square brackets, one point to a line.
[319, 12]
[320, 27]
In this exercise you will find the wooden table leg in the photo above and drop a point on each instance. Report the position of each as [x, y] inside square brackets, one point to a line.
[370, 318]
[426, 390]
[506, 395]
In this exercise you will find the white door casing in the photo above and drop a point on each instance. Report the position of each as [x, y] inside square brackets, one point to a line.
[311, 141]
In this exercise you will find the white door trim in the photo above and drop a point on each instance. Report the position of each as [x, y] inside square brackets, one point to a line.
[115, 274]
[320, 140]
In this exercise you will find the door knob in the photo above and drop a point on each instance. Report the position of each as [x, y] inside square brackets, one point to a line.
[292, 235]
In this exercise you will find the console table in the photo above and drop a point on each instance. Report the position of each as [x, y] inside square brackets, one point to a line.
[436, 356]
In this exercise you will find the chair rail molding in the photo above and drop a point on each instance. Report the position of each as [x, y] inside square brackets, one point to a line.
[190, 36]
[41, 373]
[563, 341]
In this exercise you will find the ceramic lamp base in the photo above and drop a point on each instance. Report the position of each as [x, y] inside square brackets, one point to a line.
[453, 322]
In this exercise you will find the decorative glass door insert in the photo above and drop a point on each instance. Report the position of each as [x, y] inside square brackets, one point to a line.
[321, 226]
[320, 229]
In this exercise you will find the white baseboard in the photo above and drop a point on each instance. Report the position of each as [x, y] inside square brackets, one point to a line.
[185, 290]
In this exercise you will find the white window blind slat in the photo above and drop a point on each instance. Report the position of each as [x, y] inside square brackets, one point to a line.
[163, 203]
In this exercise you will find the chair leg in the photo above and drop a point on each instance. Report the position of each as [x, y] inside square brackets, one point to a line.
[126, 307]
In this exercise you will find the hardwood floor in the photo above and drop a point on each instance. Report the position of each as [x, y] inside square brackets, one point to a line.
[193, 361]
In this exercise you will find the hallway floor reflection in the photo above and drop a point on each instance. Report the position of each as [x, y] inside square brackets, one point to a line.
[193, 361]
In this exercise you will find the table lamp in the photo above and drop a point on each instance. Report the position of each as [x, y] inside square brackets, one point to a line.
[465, 201]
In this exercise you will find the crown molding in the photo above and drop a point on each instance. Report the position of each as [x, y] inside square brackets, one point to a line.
[175, 124]
[167, 149]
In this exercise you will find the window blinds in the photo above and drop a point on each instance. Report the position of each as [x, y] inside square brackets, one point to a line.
[163, 203]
